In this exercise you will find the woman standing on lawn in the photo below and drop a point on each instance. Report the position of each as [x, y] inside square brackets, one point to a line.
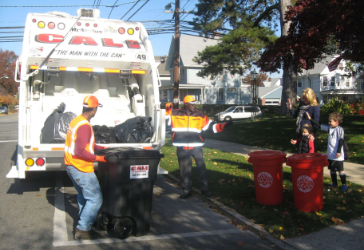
[308, 103]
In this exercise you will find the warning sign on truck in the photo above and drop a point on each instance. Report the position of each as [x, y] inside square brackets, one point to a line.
[139, 171]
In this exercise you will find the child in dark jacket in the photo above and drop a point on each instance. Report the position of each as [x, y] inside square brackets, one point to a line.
[335, 149]
[305, 145]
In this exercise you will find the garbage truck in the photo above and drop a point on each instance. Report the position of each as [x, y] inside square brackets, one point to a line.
[65, 58]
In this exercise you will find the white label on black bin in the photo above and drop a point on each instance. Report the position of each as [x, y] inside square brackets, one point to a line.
[139, 171]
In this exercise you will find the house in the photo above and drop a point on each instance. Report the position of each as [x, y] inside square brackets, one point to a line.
[166, 88]
[269, 96]
[327, 85]
[226, 88]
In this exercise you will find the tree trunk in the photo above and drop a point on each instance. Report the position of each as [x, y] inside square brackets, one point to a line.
[289, 75]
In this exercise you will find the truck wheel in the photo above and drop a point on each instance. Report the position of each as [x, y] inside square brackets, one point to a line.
[227, 118]
[123, 228]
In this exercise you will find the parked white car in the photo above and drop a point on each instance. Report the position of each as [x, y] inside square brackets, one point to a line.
[237, 112]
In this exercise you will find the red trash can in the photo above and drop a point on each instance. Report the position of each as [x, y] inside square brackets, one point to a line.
[307, 180]
[268, 176]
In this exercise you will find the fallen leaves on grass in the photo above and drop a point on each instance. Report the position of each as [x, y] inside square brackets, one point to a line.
[281, 238]
[337, 221]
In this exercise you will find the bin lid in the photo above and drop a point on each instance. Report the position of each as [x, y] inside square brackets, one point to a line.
[267, 154]
[307, 157]
[127, 153]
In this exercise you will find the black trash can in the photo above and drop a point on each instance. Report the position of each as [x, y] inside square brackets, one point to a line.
[126, 181]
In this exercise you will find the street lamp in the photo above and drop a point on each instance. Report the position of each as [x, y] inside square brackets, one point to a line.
[254, 93]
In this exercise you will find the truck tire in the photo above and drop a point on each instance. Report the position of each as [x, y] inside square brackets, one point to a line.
[123, 228]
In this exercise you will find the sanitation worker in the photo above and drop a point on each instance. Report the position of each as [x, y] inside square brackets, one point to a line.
[187, 125]
[78, 158]
[168, 108]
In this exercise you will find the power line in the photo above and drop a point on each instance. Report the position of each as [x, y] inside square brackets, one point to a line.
[138, 10]
[63, 6]
[112, 8]
[130, 9]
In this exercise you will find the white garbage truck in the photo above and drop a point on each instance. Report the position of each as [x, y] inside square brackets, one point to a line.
[65, 58]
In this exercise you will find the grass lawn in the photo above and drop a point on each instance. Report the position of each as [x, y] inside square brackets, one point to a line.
[231, 180]
[275, 132]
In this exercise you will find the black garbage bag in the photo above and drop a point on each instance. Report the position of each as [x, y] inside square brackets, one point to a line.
[137, 129]
[56, 125]
[104, 134]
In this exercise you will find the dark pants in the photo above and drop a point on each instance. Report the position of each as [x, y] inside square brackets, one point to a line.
[185, 167]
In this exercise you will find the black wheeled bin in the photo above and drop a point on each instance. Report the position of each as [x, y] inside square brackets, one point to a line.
[126, 181]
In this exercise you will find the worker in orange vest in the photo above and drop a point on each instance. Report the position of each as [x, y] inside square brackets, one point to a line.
[187, 125]
[79, 157]
[168, 108]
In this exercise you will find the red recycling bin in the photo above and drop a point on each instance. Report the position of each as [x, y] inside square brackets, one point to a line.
[307, 180]
[268, 176]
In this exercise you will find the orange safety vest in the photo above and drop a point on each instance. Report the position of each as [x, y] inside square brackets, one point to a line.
[187, 128]
[168, 116]
[69, 155]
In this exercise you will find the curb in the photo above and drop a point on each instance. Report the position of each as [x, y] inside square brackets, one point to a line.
[228, 212]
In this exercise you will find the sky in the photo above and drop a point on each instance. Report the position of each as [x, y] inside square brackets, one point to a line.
[13, 13]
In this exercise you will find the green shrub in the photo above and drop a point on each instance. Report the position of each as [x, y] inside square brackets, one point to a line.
[336, 105]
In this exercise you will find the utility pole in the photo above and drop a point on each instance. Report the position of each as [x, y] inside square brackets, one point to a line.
[176, 57]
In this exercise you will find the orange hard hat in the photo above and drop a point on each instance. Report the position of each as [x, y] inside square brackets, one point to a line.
[168, 105]
[91, 101]
[189, 99]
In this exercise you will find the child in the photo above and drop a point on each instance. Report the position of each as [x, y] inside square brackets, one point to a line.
[335, 150]
[305, 144]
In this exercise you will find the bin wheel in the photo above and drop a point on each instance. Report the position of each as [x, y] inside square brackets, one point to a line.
[99, 223]
[123, 228]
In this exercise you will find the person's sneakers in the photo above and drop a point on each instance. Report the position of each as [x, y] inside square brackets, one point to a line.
[344, 188]
[333, 185]
[185, 195]
[86, 235]
[207, 194]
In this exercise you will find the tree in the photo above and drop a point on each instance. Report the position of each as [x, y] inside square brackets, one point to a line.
[252, 22]
[7, 68]
[315, 32]
[261, 77]
[8, 100]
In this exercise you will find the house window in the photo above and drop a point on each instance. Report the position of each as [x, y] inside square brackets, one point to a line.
[232, 90]
[221, 96]
[332, 82]
[324, 81]
[347, 82]
[299, 84]
[182, 74]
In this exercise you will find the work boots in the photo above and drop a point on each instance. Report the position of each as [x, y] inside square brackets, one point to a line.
[86, 235]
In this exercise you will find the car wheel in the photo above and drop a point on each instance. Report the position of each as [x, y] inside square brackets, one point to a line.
[227, 118]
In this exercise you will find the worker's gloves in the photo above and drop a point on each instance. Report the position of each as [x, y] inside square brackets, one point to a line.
[100, 158]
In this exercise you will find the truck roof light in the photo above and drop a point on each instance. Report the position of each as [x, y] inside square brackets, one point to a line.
[136, 28]
[87, 24]
[130, 31]
[41, 24]
[34, 20]
[121, 31]
[79, 23]
[40, 162]
[95, 25]
[51, 25]
[29, 162]
[61, 26]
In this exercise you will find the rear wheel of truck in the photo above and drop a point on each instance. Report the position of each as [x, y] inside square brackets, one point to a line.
[123, 228]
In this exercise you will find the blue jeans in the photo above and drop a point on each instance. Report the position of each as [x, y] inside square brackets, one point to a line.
[89, 196]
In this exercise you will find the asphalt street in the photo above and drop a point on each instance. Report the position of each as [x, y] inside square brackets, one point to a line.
[40, 212]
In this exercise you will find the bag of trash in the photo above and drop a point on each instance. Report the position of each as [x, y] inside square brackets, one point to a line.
[104, 134]
[137, 129]
[56, 125]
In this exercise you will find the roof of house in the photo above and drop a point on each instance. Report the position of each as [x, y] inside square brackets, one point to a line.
[162, 60]
[319, 67]
[189, 46]
[273, 82]
[270, 92]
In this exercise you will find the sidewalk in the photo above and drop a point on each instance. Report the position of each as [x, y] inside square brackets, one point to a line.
[347, 236]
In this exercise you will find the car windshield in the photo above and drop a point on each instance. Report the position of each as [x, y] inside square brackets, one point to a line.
[230, 109]
[2, 108]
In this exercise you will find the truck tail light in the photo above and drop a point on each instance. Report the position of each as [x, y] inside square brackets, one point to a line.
[51, 25]
[121, 31]
[130, 31]
[40, 162]
[29, 162]
[61, 26]
[41, 24]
